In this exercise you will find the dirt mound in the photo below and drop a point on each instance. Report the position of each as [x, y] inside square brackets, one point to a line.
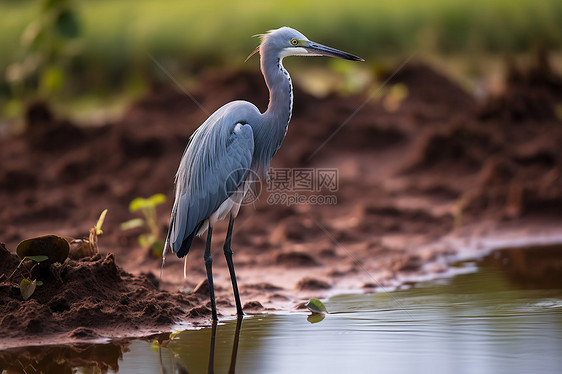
[457, 148]
[87, 299]
[532, 93]
[427, 86]
[504, 160]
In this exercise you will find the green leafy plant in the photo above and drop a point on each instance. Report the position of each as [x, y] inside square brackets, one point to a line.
[27, 286]
[49, 44]
[147, 206]
[48, 251]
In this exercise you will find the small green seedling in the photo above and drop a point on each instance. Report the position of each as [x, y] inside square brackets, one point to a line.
[97, 231]
[27, 286]
[147, 206]
[48, 251]
[88, 247]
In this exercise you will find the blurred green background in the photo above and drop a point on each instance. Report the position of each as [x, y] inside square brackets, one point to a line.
[96, 53]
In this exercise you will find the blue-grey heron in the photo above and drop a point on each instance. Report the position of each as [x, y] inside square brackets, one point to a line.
[214, 171]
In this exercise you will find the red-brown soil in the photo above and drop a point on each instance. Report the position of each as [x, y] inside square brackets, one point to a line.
[440, 164]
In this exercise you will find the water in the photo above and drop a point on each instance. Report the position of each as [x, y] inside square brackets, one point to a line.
[504, 318]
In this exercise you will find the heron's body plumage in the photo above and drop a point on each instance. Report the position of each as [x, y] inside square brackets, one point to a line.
[215, 164]
[218, 148]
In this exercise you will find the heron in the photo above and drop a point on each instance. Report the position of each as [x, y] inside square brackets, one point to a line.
[233, 147]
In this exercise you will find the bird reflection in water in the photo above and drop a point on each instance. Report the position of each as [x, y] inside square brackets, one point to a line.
[187, 354]
[232, 367]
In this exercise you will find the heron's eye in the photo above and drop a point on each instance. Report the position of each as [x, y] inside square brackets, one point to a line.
[294, 41]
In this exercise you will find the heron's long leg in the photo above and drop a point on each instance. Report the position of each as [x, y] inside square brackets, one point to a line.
[228, 256]
[209, 267]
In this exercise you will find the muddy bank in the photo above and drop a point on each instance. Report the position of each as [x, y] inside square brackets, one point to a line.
[88, 299]
[441, 163]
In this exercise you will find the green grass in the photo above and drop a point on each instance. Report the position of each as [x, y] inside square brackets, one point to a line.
[122, 30]
[222, 28]
[187, 35]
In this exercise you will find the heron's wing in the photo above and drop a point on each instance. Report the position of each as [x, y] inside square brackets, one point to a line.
[215, 163]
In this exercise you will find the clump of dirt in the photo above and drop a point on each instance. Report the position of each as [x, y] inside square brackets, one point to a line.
[86, 299]
[428, 89]
[456, 148]
[312, 284]
[532, 93]
[294, 259]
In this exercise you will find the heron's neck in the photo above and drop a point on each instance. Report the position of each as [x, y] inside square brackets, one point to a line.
[270, 131]
[278, 113]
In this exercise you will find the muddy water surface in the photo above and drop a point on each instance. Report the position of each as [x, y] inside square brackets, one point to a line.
[501, 314]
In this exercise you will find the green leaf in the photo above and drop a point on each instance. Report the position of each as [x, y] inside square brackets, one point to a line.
[27, 287]
[132, 224]
[39, 283]
[157, 199]
[145, 240]
[100, 222]
[52, 80]
[316, 306]
[39, 258]
[67, 24]
[138, 203]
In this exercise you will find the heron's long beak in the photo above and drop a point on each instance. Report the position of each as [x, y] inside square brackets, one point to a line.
[316, 49]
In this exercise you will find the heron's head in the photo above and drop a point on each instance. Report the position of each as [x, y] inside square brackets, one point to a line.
[286, 41]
